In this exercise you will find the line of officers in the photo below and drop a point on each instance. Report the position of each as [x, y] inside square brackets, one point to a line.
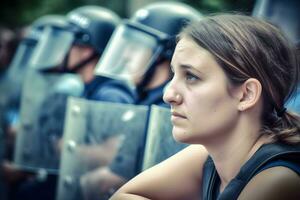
[94, 55]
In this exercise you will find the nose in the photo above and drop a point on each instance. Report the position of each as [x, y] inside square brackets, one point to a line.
[171, 95]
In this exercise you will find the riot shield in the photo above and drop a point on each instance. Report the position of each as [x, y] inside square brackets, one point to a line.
[7, 90]
[93, 133]
[11, 83]
[34, 148]
[160, 143]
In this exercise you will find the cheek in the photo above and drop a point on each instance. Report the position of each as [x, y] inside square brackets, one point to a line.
[73, 57]
[211, 112]
[206, 101]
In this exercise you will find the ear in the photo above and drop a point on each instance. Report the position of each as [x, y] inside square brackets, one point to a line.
[250, 94]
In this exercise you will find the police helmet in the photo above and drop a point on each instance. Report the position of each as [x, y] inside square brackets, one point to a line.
[147, 38]
[23, 55]
[95, 25]
[88, 25]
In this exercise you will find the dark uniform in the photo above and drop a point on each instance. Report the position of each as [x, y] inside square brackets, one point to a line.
[267, 156]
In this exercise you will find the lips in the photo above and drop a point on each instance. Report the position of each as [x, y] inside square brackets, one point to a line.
[177, 115]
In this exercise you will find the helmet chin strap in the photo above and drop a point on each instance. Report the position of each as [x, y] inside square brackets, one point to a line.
[79, 65]
[166, 54]
[148, 76]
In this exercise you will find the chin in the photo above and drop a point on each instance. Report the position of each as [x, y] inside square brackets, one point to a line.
[182, 137]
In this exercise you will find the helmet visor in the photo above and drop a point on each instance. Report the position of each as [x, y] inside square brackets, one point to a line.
[52, 48]
[23, 54]
[129, 54]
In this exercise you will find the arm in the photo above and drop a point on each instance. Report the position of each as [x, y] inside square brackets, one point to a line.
[178, 177]
[276, 183]
[100, 183]
[124, 196]
[100, 154]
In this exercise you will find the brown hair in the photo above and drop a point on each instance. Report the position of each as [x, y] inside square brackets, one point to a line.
[245, 48]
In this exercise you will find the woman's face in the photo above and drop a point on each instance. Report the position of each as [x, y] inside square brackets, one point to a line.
[203, 104]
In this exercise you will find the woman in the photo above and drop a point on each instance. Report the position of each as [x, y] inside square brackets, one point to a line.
[232, 76]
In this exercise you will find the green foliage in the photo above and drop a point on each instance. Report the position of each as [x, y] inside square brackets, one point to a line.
[15, 13]
[213, 6]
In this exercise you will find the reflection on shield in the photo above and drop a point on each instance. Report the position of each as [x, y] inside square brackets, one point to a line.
[93, 133]
[160, 143]
[34, 143]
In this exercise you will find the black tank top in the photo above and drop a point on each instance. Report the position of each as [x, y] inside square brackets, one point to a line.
[268, 155]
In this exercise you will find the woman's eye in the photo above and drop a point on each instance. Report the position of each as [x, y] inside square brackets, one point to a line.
[191, 77]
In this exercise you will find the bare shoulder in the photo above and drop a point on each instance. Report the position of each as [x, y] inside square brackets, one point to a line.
[276, 183]
[178, 177]
[193, 150]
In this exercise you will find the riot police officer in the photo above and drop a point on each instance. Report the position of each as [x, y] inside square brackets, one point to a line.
[12, 88]
[73, 46]
[90, 28]
[140, 51]
[15, 76]
[76, 46]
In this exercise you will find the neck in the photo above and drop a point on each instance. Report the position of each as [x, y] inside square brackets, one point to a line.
[230, 152]
[87, 72]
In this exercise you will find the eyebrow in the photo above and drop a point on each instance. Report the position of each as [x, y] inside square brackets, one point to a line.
[186, 67]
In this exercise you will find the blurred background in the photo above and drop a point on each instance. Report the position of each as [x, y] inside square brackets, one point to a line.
[16, 14]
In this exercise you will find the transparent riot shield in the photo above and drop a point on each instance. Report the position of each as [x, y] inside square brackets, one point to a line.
[34, 150]
[160, 143]
[93, 133]
[11, 83]
[7, 88]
